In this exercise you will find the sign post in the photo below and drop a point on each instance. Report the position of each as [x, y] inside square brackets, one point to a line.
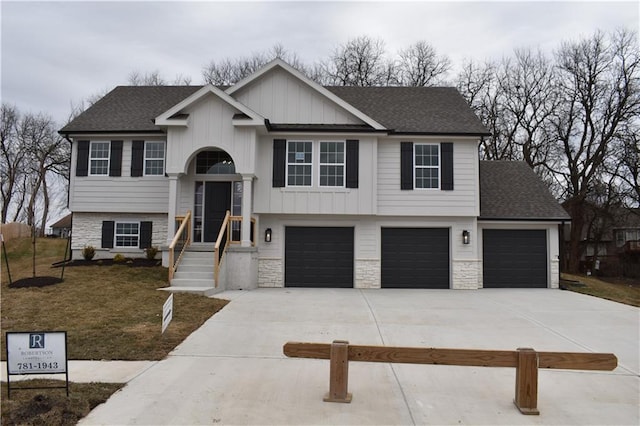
[167, 313]
[37, 352]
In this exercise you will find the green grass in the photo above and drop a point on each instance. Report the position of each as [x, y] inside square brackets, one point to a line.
[625, 291]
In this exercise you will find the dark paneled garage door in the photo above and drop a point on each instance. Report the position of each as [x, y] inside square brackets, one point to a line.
[514, 258]
[415, 258]
[318, 257]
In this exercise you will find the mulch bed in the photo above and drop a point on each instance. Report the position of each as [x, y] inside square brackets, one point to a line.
[130, 262]
[35, 282]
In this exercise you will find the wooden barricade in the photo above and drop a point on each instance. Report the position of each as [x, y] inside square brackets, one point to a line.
[526, 361]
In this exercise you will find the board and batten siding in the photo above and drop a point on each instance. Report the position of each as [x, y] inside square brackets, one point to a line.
[283, 98]
[315, 199]
[210, 126]
[463, 200]
[145, 194]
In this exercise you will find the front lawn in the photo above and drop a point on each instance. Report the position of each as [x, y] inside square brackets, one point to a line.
[621, 290]
[110, 312]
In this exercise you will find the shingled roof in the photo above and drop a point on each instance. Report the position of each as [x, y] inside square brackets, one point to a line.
[420, 110]
[129, 109]
[405, 110]
[511, 190]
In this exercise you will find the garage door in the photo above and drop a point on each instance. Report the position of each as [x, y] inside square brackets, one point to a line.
[415, 258]
[514, 258]
[318, 257]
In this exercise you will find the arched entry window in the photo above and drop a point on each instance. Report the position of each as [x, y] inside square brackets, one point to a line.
[214, 162]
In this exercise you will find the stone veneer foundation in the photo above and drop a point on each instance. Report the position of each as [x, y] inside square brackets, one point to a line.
[270, 272]
[465, 274]
[367, 273]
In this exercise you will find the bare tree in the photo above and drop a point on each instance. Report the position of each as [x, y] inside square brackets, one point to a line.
[229, 71]
[154, 78]
[359, 62]
[420, 65]
[599, 84]
[12, 160]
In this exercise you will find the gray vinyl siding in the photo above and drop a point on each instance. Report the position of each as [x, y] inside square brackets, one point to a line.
[125, 194]
[283, 98]
[315, 199]
[210, 126]
[462, 201]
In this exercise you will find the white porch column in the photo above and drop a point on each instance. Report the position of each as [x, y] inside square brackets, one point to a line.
[173, 201]
[247, 208]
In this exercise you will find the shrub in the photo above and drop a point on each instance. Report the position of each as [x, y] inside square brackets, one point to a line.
[88, 252]
[119, 258]
[151, 252]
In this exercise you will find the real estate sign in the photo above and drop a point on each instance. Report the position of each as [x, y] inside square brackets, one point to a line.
[37, 352]
[167, 313]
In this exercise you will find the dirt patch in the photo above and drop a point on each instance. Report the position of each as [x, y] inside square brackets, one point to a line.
[35, 282]
[130, 262]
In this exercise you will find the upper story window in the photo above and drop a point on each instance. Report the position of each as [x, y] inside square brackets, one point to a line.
[154, 158]
[332, 164]
[299, 163]
[127, 234]
[99, 158]
[427, 166]
[214, 162]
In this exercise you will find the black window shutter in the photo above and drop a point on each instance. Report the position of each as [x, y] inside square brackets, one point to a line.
[82, 163]
[137, 158]
[145, 234]
[279, 162]
[352, 163]
[406, 165]
[115, 163]
[107, 233]
[446, 151]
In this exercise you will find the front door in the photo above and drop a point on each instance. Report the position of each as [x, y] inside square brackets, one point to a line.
[217, 200]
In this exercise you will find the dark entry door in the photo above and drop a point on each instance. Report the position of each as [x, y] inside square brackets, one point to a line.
[217, 200]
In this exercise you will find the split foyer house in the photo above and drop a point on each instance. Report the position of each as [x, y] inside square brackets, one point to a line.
[305, 185]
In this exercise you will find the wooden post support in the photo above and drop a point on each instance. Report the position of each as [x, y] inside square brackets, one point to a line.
[527, 382]
[339, 373]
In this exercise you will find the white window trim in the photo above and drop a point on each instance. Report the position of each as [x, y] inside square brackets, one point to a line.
[343, 164]
[286, 175]
[415, 167]
[144, 158]
[115, 234]
[91, 144]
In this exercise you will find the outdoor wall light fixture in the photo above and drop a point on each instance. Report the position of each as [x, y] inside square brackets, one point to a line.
[267, 235]
[465, 237]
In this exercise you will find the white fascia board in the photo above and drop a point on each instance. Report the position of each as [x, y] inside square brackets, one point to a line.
[315, 86]
[165, 119]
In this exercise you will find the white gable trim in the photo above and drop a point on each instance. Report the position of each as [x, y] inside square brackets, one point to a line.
[165, 119]
[312, 84]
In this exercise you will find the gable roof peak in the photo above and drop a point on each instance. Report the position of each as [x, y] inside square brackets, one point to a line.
[279, 63]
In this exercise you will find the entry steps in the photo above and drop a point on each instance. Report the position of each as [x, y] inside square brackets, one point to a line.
[194, 274]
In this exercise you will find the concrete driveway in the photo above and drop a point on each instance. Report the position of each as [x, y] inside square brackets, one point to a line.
[232, 370]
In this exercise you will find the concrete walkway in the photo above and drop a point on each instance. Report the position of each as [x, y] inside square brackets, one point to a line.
[232, 371]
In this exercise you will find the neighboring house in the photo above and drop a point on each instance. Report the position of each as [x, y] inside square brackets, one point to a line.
[62, 228]
[362, 187]
[610, 245]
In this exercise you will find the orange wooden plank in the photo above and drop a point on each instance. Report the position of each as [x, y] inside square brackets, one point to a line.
[464, 357]
[577, 361]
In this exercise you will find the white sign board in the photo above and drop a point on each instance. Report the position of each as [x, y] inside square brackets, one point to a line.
[37, 352]
[167, 313]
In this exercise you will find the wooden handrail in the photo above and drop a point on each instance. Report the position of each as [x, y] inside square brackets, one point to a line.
[184, 225]
[525, 360]
[216, 257]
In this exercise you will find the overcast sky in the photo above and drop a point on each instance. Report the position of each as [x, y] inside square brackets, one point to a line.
[56, 53]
